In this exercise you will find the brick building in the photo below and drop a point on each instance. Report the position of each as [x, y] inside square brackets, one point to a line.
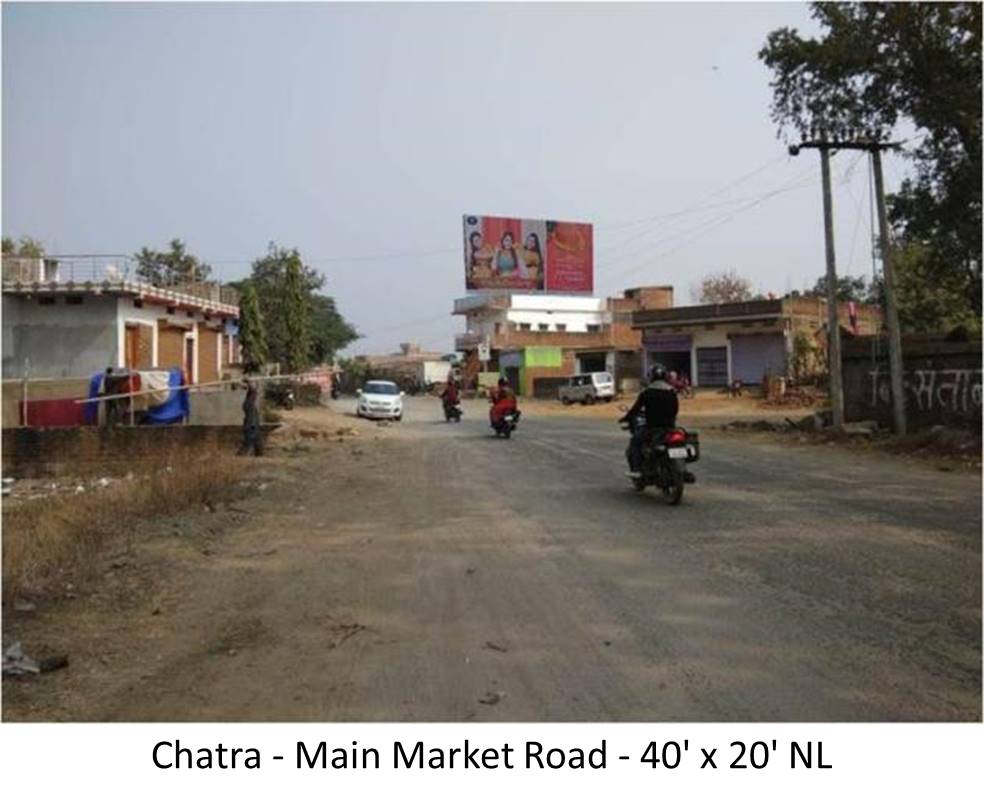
[717, 344]
[537, 340]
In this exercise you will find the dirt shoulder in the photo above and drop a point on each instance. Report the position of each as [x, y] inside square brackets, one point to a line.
[706, 408]
[167, 598]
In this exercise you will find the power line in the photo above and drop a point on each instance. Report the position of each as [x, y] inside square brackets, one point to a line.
[718, 222]
[739, 180]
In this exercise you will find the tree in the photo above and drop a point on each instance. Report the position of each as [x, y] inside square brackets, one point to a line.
[724, 287]
[929, 301]
[330, 332]
[297, 317]
[25, 247]
[173, 267]
[849, 289]
[879, 64]
[314, 331]
[252, 334]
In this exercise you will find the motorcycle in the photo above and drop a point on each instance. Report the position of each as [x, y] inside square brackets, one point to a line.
[452, 411]
[507, 424]
[665, 455]
[280, 395]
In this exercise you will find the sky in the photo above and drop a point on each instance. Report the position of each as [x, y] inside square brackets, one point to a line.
[361, 133]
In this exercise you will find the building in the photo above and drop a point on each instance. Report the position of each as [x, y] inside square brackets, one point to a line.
[538, 340]
[411, 367]
[718, 344]
[70, 317]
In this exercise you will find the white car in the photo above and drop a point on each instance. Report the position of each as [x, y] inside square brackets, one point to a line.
[380, 399]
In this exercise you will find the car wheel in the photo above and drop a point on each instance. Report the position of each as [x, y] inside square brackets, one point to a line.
[398, 418]
[567, 401]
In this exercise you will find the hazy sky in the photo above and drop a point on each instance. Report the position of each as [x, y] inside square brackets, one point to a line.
[360, 131]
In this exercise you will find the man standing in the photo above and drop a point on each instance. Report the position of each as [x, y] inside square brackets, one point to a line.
[252, 434]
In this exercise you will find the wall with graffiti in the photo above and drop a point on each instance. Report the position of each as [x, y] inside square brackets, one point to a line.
[942, 381]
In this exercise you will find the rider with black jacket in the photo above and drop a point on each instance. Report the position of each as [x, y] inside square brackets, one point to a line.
[658, 402]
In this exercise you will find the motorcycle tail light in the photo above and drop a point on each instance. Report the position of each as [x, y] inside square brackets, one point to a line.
[676, 437]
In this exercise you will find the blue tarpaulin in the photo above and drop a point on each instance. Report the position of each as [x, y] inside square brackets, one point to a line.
[92, 408]
[176, 408]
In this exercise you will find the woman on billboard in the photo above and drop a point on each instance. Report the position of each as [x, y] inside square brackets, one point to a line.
[505, 261]
[532, 258]
[479, 258]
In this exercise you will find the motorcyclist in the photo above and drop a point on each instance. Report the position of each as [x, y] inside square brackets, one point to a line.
[503, 402]
[658, 403]
[450, 395]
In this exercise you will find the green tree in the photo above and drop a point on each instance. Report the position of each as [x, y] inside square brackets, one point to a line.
[330, 332]
[929, 301]
[173, 267]
[879, 64]
[25, 247]
[297, 317]
[252, 334]
[285, 283]
[849, 289]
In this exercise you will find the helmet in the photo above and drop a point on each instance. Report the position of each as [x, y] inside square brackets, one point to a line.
[657, 372]
[503, 382]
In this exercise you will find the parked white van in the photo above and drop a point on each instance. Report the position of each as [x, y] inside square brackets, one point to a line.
[587, 389]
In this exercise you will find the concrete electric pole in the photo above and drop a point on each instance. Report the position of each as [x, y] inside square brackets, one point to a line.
[891, 309]
[833, 325]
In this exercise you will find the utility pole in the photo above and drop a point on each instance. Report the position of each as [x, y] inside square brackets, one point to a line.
[833, 326]
[891, 308]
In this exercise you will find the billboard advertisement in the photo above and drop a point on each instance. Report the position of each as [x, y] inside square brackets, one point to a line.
[528, 255]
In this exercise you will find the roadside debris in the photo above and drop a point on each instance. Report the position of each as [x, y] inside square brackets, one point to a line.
[17, 664]
[492, 697]
[495, 646]
[21, 605]
[344, 631]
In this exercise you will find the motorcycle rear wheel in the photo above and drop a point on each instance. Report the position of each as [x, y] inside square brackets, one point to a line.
[673, 492]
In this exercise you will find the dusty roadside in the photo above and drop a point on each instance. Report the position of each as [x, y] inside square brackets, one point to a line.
[427, 571]
[156, 588]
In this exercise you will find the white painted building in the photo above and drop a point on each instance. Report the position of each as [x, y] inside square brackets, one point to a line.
[488, 315]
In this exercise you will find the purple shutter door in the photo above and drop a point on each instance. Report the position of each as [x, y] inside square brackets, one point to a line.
[752, 356]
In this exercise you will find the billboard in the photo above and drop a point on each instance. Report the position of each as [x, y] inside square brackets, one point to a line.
[523, 254]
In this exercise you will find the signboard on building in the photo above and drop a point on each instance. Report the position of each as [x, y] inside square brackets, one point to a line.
[484, 351]
[523, 254]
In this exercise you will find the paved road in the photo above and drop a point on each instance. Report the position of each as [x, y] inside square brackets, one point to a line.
[439, 574]
[793, 582]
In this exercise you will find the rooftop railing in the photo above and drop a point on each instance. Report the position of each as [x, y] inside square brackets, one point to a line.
[102, 270]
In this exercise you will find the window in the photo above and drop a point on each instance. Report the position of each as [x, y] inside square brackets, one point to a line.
[46, 300]
[543, 327]
[73, 300]
[525, 327]
[498, 327]
[138, 302]
[561, 328]
[594, 328]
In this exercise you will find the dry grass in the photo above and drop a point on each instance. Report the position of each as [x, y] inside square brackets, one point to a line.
[56, 537]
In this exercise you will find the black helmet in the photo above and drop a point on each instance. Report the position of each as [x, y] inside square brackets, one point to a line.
[503, 382]
[657, 372]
